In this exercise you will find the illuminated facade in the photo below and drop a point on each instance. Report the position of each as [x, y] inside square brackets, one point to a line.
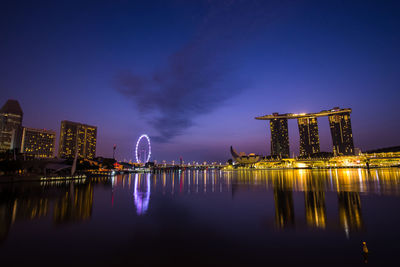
[342, 135]
[339, 122]
[77, 137]
[10, 125]
[37, 142]
[279, 137]
[309, 137]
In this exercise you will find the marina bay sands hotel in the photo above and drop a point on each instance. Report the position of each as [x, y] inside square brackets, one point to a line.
[339, 122]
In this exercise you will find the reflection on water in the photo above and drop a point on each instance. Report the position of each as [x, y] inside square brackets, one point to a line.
[73, 201]
[68, 201]
[75, 204]
[350, 211]
[314, 183]
[141, 193]
[284, 211]
[315, 208]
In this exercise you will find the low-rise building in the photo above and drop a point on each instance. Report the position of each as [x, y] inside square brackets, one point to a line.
[40, 143]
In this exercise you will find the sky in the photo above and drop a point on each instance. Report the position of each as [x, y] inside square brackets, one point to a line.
[194, 74]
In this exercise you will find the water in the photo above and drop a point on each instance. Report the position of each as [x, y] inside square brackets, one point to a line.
[285, 217]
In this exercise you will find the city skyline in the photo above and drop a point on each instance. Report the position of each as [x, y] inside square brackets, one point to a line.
[82, 138]
[193, 75]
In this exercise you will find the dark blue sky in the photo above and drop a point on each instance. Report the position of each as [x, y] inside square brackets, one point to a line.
[194, 74]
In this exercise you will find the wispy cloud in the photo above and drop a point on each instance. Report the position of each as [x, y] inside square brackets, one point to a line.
[194, 82]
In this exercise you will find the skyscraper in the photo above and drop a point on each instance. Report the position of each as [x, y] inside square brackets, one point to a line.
[279, 137]
[76, 136]
[340, 125]
[39, 143]
[309, 137]
[342, 135]
[10, 125]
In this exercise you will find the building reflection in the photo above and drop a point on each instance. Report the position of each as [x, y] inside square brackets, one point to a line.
[315, 208]
[5, 219]
[72, 201]
[75, 204]
[314, 201]
[350, 211]
[141, 193]
[67, 201]
[284, 209]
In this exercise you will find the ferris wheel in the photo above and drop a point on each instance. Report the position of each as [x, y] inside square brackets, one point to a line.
[143, 149]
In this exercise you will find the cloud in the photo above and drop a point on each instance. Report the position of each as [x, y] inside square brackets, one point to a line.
[197, 78]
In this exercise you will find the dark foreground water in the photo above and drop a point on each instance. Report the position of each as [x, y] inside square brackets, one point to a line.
[252, 218]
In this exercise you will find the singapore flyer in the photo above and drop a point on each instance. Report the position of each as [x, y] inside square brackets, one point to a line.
[143, 149]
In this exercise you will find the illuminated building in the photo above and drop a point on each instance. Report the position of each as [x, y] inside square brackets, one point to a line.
[76, 136]
[279, 137]
[309, 138]
[242, 158]
[37, 142]
[10, 125]
[315, 208]
[342, 136]
[340, 125]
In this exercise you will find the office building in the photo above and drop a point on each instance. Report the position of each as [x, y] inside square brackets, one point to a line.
[77, 137]
[309, 137]
[39, 143]
[279, 137]
[10, 126]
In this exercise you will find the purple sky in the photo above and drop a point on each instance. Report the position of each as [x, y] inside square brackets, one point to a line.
[194, 74]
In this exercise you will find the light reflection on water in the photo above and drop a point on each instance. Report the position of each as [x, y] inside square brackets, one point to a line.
[74, 202]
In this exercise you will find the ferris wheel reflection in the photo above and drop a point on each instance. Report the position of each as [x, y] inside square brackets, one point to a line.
[141, 193]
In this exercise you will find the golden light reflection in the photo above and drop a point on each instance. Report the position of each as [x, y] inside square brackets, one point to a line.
[72, 200]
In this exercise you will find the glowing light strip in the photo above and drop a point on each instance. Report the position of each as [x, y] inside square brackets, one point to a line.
[137, 145]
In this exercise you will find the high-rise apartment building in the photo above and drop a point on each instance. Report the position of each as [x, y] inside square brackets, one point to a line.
[10, 125]
[342, 135]
[79, 137]
[39, 143]
[279, 137]
[309, 137]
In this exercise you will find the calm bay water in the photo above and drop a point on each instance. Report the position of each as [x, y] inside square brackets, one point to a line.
[285, 217]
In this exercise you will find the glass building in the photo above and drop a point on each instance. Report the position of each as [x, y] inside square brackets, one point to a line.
[39, 143]
[279, 137]
[342, 135]
[10, 125]
[79, 137]
[309, 137]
